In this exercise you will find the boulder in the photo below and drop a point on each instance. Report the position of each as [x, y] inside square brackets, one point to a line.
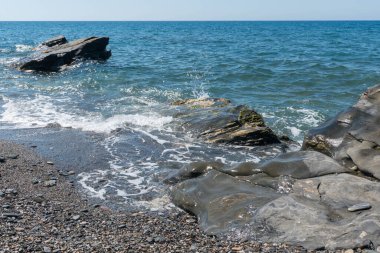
[58, 57]
[215, 120]
[353, 136]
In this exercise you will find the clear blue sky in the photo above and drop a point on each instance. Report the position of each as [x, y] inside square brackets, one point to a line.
[189, 9]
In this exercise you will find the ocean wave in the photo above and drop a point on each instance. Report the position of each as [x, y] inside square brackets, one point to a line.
[23, 48]
[41, 110]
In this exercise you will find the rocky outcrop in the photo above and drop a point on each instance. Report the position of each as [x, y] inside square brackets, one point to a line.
[353, 136]
[60, 55]
[215, 120]
[314, 197]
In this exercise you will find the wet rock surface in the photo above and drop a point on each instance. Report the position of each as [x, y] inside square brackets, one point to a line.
[353, 136]
[57, 54]
[35, 218]
[313, 197]
[215, 120]
[59, 40]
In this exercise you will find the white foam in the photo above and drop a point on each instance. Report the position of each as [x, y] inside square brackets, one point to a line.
[307, 116]
[295, 131]
[41, 110]
[23, 48]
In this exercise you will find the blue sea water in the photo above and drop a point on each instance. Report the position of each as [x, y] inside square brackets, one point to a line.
[297, 74]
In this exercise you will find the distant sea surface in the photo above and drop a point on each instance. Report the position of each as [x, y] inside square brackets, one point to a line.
[296, 74]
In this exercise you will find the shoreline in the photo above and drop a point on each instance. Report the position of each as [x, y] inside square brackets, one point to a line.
[42, 211]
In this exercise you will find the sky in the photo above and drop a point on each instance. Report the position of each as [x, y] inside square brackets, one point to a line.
[101, 10]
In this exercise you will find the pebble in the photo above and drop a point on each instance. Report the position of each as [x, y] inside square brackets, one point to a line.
[122, 226]
[2, 194]
[50, 163]
[35, 181]
[76, 217]
[12, 215]
[47, 250]
[359, 207]
[12, 156]
[378, 249]
[50, 183]
[237, 249]
[349, 251]
[2, 159]
[71, 172]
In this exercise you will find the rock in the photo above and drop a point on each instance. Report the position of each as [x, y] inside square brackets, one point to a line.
[2, 159]
[76, 217]
[12, 215]
[352, 137]
[58, 57]
[47, 250]
[221, 202]
[39, 199]
[237, 249]
[50, 183]
[50, 162]
[12, 156]
[359, 207]
[2, 194]
[301, 164]
[325, 222]
[217, 121]
[191, 170]
[56, 41]
[203, 102]
[53, 125]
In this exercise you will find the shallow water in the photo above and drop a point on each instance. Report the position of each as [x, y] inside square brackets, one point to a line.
[297, 74]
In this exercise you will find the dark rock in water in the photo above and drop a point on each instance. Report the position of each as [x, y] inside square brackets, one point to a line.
[353, 136]
[53, 125]
[302, 164]
[58, 57]
[359, 207]
[217, 121]
[56, 41]
[192, 170]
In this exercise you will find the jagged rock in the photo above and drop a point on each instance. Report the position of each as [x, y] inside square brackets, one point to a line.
[217, 121]
[353, 136]
[56, 41]
[301, 164]
[58, 57]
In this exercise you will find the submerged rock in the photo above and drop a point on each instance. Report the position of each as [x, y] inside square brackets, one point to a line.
[59, 56]
[353, 136]
[215, 120]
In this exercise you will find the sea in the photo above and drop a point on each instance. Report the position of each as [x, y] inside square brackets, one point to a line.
[118, 130]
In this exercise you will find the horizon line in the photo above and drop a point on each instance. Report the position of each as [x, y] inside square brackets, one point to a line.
[206, 20]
